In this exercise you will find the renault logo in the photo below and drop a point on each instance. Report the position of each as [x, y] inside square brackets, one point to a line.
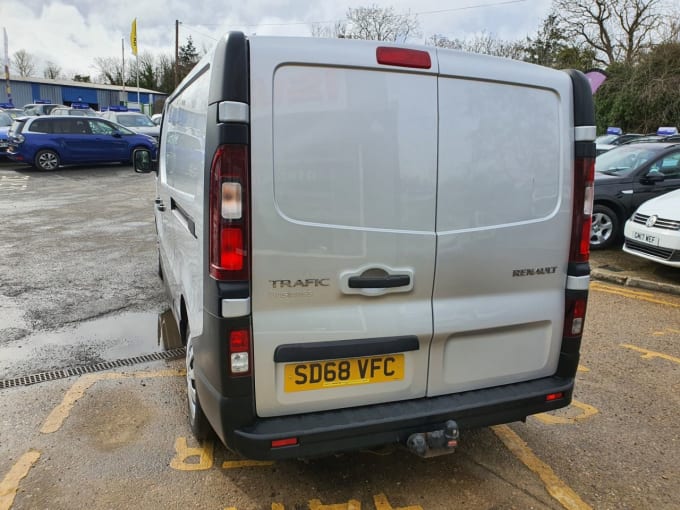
[651, 221]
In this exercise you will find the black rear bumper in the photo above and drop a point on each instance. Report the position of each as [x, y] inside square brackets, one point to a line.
[370, 426]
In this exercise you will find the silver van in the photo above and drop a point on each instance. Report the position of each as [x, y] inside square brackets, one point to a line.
[367, 244]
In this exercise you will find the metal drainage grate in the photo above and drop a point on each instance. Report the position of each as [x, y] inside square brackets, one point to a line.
[88, 369]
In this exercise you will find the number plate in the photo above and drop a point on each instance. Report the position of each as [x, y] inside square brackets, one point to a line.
[645, 238]
[319, 375]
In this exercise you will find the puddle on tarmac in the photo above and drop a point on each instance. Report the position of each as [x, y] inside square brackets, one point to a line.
[110, 338]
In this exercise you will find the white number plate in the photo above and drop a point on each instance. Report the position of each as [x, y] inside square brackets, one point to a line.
[646, 238]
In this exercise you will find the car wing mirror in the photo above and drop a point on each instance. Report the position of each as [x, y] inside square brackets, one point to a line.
[143, 162]
[652, 178]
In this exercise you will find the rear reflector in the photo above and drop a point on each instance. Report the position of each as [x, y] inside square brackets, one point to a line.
[554, 396]
[403, 57]
[290, 441]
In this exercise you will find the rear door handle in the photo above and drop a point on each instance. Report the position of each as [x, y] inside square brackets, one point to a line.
[379, 282]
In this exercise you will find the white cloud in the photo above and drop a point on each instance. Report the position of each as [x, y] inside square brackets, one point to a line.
[73, 33]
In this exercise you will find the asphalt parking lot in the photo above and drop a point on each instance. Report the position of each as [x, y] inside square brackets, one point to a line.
[79, 290]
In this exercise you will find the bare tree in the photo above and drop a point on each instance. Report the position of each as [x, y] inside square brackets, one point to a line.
[24, 63]
[339, 29]
[110, 70]
[617, 30]
[484, 43]
[52, 71]
[380, 24]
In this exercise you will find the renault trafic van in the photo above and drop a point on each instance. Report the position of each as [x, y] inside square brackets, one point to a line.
[367, 244]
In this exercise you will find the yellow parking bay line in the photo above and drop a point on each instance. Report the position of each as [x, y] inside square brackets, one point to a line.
[634, 294]
[555, 487]
[10, 484]
[647, 354]
[56, 418]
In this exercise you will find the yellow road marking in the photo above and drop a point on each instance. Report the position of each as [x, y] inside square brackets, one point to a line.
[581, 368]
[10, 484]
[642, 296]
[56, 418]
[204, 453]
[555, 487]
[666, 331]
[352, 504]
[647, 354]
[550, 419]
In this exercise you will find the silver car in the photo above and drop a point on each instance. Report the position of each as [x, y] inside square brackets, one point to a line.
[135, 121]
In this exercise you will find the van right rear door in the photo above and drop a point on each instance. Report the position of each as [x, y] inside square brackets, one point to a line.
[503, 222]
[343, 178]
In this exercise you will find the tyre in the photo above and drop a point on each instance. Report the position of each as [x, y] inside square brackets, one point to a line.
[47, 160]
[197, 420]
[605, 228]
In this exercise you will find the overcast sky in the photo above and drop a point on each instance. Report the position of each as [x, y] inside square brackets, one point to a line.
[72, 33]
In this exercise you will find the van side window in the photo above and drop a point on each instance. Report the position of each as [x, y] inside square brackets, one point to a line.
[183, 140]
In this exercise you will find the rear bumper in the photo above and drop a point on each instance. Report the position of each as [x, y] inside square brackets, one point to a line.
[369, 426]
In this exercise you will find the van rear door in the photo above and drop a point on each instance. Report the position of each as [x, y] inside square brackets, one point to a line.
[503, 222]
[343, 168]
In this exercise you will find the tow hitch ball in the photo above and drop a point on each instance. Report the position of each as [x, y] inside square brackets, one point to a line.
[437, 442]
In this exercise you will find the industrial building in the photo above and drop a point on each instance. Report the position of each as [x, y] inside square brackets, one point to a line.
[97, 95]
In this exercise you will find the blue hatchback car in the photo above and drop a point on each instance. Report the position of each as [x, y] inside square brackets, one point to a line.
[47, 142]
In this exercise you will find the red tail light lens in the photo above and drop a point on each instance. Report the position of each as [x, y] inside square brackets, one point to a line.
[403, 57]
[574, 316]
[584, 176]
[229, 213]
[239, 352]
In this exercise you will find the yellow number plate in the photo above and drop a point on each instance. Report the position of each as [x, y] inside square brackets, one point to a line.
[318, 375]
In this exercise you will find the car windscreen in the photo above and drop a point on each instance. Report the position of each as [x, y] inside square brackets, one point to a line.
[606, 139]
[624, 160]
[5, 120]
[135, 121]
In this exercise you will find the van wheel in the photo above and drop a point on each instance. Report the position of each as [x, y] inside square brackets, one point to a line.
[605, 228]
[47, 160]
[197, 420]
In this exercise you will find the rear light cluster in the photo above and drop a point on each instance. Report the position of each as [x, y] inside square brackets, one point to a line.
[229, 240]
[574, 315]
[239, 352]
[584, 177]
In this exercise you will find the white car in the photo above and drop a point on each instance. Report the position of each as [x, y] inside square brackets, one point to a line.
[653, 232]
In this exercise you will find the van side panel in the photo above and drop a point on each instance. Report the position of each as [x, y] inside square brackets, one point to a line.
[503, 223]
[343, 182]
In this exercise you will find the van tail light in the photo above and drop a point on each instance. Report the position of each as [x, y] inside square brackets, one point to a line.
[584, 176]
[403, 57]
[229, 214]
[239, 352]
[574, 315]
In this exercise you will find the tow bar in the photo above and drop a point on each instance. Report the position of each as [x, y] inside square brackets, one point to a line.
[437, 442]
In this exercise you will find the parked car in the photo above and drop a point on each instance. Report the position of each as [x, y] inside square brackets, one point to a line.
[12, 112]
[39, 108]
[76, 112]
[5, 123]
[137, 122]
[156, 118]
[613, 138]
[653, 232]
[49, 141]
[624, 179]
